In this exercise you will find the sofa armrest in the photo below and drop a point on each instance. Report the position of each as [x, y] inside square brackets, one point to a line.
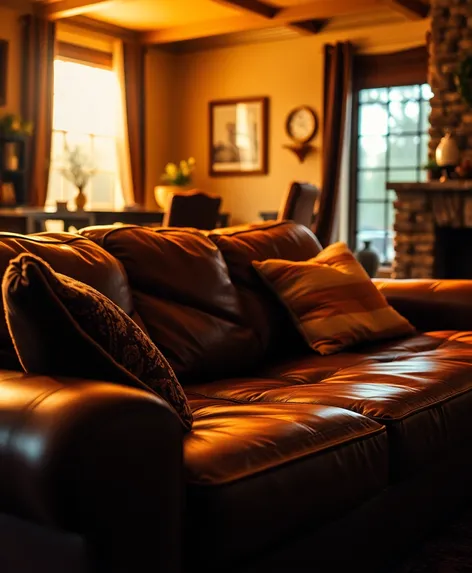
[431, 304]
[97, 459]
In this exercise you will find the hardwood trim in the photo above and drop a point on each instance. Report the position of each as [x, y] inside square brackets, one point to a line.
[84, 55]
[265, 136]
[353, 192]
[67, 8]
[412, 9]
[105, 28]
[310, 11]
[311, 27]
[255, 6]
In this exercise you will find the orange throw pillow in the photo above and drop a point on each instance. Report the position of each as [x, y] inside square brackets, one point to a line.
[332, 300]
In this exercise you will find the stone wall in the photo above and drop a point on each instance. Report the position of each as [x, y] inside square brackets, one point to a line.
[449, 43]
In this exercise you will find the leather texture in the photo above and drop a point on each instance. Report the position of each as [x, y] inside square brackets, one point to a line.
[241, 246]
[192, 209]
[182, 289]
[87, 457]
[431, 304]
[71, 255]
[300, 204]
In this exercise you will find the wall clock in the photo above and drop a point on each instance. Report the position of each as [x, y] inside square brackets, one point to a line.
[301, 126]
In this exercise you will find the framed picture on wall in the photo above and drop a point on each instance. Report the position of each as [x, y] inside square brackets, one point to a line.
[3, 71]
[239, 136]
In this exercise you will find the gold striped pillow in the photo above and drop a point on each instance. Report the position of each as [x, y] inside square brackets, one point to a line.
[332, 300]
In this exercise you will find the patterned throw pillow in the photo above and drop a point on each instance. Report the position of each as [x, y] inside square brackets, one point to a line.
[332, 300]
[60, 326]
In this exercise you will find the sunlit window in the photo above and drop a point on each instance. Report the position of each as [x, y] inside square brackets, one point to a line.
[86, 100]
[392, 146]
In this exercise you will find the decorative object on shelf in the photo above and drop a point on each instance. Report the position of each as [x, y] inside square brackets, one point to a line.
[3, 71]
[433, 170]
[12, 125]
[463, 80]
[7, 194]
[369, 259]
[78, 171]
[239, 137]
[447, 155]
[176, 178]
[61, 206]
[464, 169]
[302, 126]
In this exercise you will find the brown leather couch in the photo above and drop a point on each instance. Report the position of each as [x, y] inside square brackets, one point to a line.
[296, 462]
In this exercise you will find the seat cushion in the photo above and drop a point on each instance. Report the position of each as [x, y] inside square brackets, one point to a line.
[70, 255]
[241, 246]
[332, 300]
[420, 389]
[259, 472]
[183, 291]
[63, 327]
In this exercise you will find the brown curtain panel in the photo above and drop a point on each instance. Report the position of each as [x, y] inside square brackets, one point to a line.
[134, 54]
[38, 43]
[337, 100]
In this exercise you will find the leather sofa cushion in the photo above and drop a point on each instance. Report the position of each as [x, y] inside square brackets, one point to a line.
[63, 327]
[182, 289]
[258, 473]
[273, 240]
[71, 255]
[420, 389]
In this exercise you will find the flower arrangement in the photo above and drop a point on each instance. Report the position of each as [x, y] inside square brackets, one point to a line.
[12, 124]
[78, 168]
[179, 175]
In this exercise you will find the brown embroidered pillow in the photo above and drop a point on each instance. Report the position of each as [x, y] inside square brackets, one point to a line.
[60, 326]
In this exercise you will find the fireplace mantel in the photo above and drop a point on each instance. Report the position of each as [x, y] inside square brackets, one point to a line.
[420, 209]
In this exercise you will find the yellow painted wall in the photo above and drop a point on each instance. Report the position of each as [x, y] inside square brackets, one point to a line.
[289, 72]
[10, 30]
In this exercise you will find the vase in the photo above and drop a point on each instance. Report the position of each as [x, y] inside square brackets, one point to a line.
[11, 156]
[447, 155]
[80, 199]
[369, 259]
[163, 193]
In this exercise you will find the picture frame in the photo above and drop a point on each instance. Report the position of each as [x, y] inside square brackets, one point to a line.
[3, 71]
[239, 135]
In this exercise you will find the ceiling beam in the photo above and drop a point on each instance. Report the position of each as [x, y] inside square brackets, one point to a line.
[67, 8]
[310, 27]
[316, 10]
[255, 6]
[412, 9]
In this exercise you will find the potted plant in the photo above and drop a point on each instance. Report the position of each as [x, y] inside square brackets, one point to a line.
[433, 169]
[78, 170]
[175, 178]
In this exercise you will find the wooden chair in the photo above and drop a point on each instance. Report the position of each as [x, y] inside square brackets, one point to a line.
[299, 205]
[193, 209]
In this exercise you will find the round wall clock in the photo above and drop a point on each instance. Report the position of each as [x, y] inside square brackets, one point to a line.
[302, 124]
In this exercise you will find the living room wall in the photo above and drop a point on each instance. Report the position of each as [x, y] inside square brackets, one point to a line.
[289, 72]
[10, 30]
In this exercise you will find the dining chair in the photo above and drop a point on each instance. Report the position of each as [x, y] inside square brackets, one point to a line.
[299, 204]
[192, 209]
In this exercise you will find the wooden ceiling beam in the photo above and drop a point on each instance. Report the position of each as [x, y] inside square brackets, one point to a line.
[67, 8]
[285, 17]
[254, 6]
[412, 9]
[310, 27]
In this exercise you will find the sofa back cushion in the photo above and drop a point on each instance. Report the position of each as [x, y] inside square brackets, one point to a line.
[182, 290]
[241, 246]
[70, 255]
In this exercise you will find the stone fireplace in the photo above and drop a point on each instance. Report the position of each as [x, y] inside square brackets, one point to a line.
[433, 230]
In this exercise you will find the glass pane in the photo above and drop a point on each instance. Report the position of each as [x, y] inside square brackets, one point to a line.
[104, 153]
[102, 188]
[372, 151]
[370, 217]
[373, 95]
[426, 92]
[373, 119]
[403, 175]
[404, 116]
[404, 92]
[404, 150]
[425, 111]
[371, 184]
[424, 149]
[57, 148]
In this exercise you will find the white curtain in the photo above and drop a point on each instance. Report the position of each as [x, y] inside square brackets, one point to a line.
[122, 139]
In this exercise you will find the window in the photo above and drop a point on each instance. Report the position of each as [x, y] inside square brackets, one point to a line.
[86, 106]
[392, 146]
